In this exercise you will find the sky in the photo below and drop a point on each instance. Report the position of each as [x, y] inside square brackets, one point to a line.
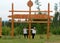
[5, 6]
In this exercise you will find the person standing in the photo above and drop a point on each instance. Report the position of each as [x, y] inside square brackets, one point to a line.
[25, 32]
[33, 32]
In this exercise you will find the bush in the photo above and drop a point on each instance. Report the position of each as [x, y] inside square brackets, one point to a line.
[5, 30]
[40, 28]
[55, 31]
[19, 29]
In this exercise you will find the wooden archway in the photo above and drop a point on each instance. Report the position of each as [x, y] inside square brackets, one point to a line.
[30, 17]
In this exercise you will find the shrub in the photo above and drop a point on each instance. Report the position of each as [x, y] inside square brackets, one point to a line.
[5, 30]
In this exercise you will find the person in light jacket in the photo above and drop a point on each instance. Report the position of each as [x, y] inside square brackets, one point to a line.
[33, 32]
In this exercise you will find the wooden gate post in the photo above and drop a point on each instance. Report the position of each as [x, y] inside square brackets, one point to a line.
[12, 31]
[30, 4]
[48, 24]
[0, 27]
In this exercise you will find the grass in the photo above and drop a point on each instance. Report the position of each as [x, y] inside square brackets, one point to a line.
[20, 39]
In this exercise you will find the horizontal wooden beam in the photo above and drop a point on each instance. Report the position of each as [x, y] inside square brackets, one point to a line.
[37, 16]
[28, 11]
[31, 22]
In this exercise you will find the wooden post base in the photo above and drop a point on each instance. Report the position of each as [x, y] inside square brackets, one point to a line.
[0, 36]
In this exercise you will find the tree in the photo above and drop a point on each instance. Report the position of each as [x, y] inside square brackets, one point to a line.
[55, 19]
[38, 5]
[59, 13]
[56, 7]
[56, 15]
[56, 29]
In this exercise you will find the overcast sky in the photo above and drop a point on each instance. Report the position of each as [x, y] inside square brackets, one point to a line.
[5, 6]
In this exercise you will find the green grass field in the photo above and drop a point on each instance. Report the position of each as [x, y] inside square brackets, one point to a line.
[20, 39]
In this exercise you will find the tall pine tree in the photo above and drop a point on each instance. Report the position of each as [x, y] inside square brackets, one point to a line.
[56, 16]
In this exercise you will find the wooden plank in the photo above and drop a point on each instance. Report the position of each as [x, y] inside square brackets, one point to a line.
[28, 11]
[32, 21]
[38, 16]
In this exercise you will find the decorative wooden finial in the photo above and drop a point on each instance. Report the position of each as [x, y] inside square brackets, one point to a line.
[30, 3]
